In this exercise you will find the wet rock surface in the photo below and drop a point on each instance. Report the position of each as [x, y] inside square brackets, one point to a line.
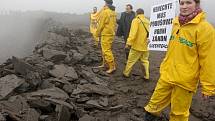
[8, 84]
[58, 82]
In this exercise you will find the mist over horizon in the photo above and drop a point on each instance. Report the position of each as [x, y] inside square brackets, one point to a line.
[20, 31]
[85, 6]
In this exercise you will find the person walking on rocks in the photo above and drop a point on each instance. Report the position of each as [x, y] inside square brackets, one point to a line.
[106, 30]
[189, 60]
[137, 41]
[125, 25]
[94, 25]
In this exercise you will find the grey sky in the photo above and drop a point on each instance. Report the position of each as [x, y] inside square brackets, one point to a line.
[83, 6]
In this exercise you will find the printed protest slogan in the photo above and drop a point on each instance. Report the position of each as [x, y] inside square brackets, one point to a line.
[161, 19]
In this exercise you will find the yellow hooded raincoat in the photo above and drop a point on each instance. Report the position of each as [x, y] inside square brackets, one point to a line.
[93, 26]
[191, 56]
[138, 35]
[190, 59]
[139, 46]
[106, 29]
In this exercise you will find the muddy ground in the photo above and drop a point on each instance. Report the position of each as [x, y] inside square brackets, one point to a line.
[58, 82]
[134, 92]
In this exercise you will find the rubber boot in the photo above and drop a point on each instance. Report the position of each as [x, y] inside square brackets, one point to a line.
[127, 50]
[150, 117]
[96, 44]
[125, 76]
[102, 66]
[112, 68]
[144, 71]
[103, 63]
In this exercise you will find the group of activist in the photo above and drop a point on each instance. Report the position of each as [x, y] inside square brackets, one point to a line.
[189, 60]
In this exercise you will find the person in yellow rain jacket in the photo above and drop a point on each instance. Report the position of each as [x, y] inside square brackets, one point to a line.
[94, 21]
[106, 30]
[188, 62]
[94, 25]
[137, 40]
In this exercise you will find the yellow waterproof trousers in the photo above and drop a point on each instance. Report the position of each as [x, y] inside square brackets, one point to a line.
[107, 54]
[133, 57]
[166, 94]
[96, 39]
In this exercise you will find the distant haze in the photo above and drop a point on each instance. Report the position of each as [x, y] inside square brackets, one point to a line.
[84, 6]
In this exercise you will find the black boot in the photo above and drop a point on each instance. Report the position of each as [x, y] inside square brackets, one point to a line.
[127, 51]
[164, 117]
[150, 117]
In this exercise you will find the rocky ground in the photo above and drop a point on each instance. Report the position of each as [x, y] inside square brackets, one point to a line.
[58, 82]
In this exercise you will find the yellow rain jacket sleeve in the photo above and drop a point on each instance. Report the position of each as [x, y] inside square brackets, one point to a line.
[107, 23]
[138, 35]
[190, 58]
[206, 51]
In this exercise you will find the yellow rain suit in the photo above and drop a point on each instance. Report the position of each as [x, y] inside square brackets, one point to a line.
[94, 22]
[106, 29]
[93, 26]
[190, 59]
[139, 46]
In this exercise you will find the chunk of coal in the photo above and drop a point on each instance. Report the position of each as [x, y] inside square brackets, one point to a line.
[8, 84]
[92, 88]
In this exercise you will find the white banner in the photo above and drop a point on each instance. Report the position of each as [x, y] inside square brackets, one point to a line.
[161, 19]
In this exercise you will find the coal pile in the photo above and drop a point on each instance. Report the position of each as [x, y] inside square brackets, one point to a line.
[55, 82]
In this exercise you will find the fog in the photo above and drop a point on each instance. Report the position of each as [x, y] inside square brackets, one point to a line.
[84, 6]
[18, 35]
[23, 21]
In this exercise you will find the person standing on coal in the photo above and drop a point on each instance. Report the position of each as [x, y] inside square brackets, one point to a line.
[106, 30]
[138, 43]
[124, 25]
[188, 62]
[94, 25]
